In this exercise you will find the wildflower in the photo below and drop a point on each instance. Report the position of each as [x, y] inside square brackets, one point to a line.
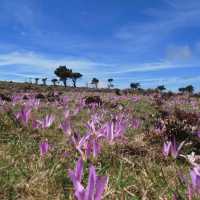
[166, 148]
[33, 103]
[113, 130]
[136, 98]
[46, 122]
[15, 99]
[2, 102]
[92, 147]
[66, 127]
[64, 101]
[44, 148]
[95, 186]
[170, 147]
[80, 143]
[24, 115]
[135, 123]
[194, 187]
[66, 114]
[176, 149]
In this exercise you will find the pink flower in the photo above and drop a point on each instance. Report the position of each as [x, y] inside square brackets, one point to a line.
[66, 127]
[95, 186]
[46, 122]
[24, 115]
[170, 147]
[44, 148]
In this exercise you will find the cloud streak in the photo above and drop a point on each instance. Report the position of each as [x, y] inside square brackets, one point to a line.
[40, 61]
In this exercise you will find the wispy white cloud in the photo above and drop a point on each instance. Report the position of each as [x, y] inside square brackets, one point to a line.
[89, 67]
[46, 62]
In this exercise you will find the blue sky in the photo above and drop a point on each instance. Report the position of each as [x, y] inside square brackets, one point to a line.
[152, 42]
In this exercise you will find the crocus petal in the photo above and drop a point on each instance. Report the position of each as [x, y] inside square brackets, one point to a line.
[90, 190]
[166, 148]
[79, 170]
[44, 147]
[101, 184]
[79, 189]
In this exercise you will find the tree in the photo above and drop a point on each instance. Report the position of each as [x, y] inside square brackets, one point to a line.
[44, 81]
[54, 81]
[110, 85]
[135, 85]
[161, 88]
[36, 81]
[63, 73]
[181, 90]
[95, 82]
[75, 76]
[189, 89]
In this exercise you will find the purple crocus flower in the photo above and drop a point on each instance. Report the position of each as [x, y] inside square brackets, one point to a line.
[176, 149]
[66, 114]
[113, 130]
[170, 147]
[95, 186]
[136, 98]
[33, 103]
[24, 115]
[194, 187]
[2, 102]
[87, 145]
[66, 127]
[195, 176]
[46, 122]
[167, 148]
[135, 123]
[92, 147]
[198, 133]
[80, 143]
[44, 148]
[16, 99]
[64, 101]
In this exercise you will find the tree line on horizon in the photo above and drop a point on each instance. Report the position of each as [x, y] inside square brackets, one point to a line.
[64, 73]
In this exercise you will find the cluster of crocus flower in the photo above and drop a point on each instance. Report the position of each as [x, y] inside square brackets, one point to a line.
[24, 115]
[171, 148]
[44, 123]
[90, 144]
[33, 103]
[95, 186]
[193, 183]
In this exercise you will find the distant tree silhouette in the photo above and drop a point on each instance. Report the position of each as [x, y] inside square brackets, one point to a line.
[36, 81]
[161, 88]
[189, 89]
[44, 80]
[110, 83]
[63, 73]
[95, 82]
[135, 85]
[54, 81]
[182, 89]
[75, 76]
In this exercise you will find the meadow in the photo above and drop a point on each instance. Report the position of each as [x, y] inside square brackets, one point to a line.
[58, 143]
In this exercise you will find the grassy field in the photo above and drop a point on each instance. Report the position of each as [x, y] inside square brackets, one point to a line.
[132, 160]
